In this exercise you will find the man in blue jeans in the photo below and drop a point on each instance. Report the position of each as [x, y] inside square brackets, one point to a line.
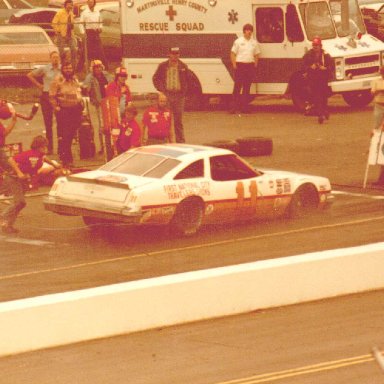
[173, 78]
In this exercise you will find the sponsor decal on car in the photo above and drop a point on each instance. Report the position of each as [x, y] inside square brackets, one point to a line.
[179, 191]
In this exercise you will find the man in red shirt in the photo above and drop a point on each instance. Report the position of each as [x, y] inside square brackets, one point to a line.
[157, 123]
[117, 97]
[130, 132]
[26, 164]
[119, 88]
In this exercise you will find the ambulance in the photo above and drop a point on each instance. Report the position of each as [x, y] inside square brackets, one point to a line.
[205, 30]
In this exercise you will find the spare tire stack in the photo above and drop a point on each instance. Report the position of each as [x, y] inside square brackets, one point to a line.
[255, 146]
[246, 146]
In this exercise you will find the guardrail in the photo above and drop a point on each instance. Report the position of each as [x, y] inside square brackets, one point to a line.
[70, 317]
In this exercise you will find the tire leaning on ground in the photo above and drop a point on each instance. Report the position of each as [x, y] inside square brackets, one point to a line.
[188, 217]
[255, 146]
[232, 145]
[304, 202]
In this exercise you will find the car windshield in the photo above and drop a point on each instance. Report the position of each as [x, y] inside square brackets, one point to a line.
[340, 19]
[139, 164]
[349, 21]
[18, 38]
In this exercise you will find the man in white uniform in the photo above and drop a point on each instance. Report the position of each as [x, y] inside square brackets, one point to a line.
[244, 58]
[90, 27]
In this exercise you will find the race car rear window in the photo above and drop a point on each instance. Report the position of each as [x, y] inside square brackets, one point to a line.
[140, 164]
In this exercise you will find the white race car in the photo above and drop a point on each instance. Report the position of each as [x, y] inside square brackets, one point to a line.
[185, 186]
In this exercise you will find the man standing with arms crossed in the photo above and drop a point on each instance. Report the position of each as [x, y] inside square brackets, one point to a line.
[65, 97]
[244, 58]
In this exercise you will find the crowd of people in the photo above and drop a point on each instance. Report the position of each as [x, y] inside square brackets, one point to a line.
[62, 97]
[62, 100]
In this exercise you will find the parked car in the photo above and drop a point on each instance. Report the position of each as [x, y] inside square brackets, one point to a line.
[23, 48]
[9, 7]
[39, 16]
[184, 186]
[111, 34]
[77, 4]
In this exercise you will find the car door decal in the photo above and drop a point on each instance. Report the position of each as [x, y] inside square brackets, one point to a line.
[241, 196]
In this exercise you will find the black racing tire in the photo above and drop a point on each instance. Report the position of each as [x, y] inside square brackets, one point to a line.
[358, 99]
[231, 145]
[188, 217]
[304, 202]
[255, 146]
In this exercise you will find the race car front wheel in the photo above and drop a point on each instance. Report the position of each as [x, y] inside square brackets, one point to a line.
[188, 217]
[304, 202]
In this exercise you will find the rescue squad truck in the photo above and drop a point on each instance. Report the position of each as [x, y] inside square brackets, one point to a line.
[205, 30]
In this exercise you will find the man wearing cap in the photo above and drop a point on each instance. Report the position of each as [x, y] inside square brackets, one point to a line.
[244, 58]
[318, 68]
[62, 24]
[119, 87]
[173, 78]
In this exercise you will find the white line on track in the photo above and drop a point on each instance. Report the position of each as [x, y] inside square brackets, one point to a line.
[26, 241]
[365, 195]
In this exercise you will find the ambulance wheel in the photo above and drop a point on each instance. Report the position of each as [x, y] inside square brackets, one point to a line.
[303, 203]
[194, 102]
[188, 217]
[255, 146]
[232, 145]
[358, 99]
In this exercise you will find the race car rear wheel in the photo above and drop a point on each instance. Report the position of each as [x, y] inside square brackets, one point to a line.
[188, 217]
[304, 202]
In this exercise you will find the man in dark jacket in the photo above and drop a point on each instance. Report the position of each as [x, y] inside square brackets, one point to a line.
[173, 78]
[318, 68]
